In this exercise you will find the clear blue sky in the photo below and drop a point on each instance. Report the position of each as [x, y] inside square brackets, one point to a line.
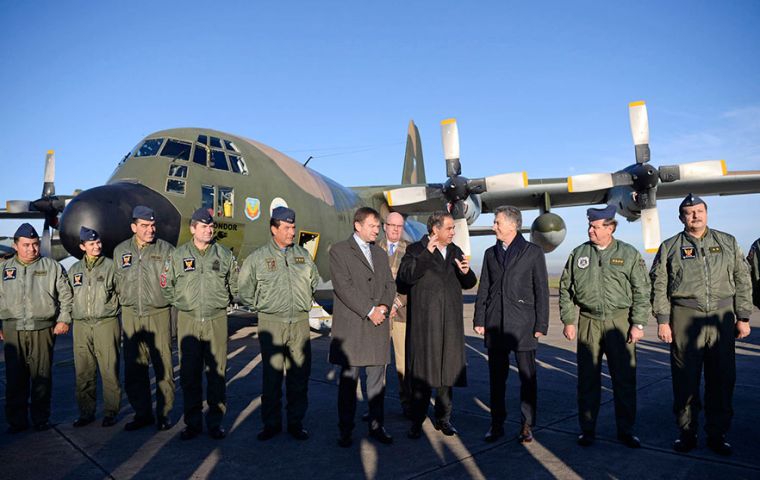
[535, 86]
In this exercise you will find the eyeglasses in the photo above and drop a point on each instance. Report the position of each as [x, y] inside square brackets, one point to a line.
[393, 225]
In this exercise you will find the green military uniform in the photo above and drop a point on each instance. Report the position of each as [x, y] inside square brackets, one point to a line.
[279, 285]
[611, 288]
[201, 285]
[754, 269]
[145, 318]
[33, 298]
[700, 286]
[96, 334]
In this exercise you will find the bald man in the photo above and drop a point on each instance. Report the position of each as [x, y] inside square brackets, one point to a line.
[396, 248]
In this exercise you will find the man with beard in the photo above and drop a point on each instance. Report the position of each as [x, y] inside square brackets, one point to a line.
[436, 271]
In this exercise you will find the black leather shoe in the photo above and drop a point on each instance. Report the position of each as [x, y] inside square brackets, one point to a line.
[163, 423]
[82, 421]
[719, 445]
[298, 432]
[345, 440]
[268, 433]
[42, 426]
[138, 423]
[14, 429]
[685, 443]
[189, 433]
[381, 435]
[586, 439]
[445, 427]
[415, 432]
[494, 433]
[217, 433]
[629, 440]
[109, 421]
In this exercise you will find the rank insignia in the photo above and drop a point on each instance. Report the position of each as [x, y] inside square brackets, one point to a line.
[583, 262]
[617, 261]
[189, 264]
[78, 279]
[715, 250]
[688, 252]
[271, 264]
[300, 260]
[9, 273]
[126, 260]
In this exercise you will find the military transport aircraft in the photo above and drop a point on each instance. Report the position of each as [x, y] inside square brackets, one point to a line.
[176, 171]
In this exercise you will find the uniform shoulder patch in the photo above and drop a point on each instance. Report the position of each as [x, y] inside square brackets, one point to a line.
[583, 262]
[126, 260]
[617, 261]
[688, 252]
[78, 277]
[188, 263]
[9, 273]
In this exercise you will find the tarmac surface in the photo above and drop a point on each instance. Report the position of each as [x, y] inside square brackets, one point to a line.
[94, 452]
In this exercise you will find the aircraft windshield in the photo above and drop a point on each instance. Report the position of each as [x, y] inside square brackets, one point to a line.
[149, 148]
[176, 150]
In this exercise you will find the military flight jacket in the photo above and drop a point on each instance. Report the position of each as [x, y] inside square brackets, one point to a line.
[138, 275]
[279, 285]
[203, 283]
[34, 296]
[602, 282]
[753, 258]
[705, 274]
[94, 290]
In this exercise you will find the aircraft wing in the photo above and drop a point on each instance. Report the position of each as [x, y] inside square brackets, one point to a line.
[532, 196]
[4, 213]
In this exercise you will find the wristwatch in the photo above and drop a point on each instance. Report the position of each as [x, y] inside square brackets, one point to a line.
[639, 326]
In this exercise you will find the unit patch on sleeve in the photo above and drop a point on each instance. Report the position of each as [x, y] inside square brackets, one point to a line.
[688, 252]
[78, 279]
[126, 260]
[189, 264]
[9, 273]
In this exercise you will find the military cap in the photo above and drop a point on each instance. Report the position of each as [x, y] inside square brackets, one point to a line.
[201, 215]
[141, 212]
[284, 214]
[606, 213]
[88, 235]
[690, 201]
[26, 230]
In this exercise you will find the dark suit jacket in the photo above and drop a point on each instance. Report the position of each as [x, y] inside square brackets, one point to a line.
[513, 299]
[356, 341]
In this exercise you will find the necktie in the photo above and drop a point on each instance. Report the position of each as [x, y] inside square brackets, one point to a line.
[391, 249]
[368, 254]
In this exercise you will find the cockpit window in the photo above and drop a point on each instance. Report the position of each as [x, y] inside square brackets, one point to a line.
[178, 171]
[216, 142]
[218, 160]
[149, 148]
[238, 166]
[230, 146]
[199, 156]
[203, 139]
[176, 150]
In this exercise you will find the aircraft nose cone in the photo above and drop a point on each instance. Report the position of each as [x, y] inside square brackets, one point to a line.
[108, 210]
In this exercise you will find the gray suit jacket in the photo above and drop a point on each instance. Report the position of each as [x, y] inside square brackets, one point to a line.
[356, 341]
[395, 262]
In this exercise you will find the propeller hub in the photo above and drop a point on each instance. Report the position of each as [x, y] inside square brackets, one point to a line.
[455, 189]
[644, 176]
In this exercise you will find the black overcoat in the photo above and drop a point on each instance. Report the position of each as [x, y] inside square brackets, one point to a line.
[513, 300]
[356, 341]
[434, 323]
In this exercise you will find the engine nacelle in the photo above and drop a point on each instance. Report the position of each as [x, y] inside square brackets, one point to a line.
[472, 208]
[548, 231]
[624, 201]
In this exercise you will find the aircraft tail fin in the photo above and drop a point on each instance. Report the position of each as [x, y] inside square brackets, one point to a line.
[414, 166]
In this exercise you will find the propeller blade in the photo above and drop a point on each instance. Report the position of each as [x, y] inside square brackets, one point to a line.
[637, 113]
[46, 246]
[48, 187]
[450, 136]
[462, 236]
[412, 195]
[506, 182]
[589, 182]
[699, 170]
[650, 227]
